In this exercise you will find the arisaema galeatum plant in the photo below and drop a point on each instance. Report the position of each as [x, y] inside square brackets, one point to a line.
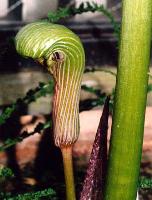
[59, 50]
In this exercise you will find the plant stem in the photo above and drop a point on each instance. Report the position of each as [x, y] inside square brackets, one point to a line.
[130, 101]
[68, 172]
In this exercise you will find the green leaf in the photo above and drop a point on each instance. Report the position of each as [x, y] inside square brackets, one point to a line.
[6, 172]
[49, 193]
[145, 183]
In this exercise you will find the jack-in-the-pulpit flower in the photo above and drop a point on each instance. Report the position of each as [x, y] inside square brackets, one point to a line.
[61, 52]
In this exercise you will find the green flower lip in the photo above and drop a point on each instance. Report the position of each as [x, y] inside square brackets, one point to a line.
[61, 51]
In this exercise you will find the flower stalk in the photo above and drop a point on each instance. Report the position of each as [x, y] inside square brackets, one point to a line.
[68, 171]
[130, 101]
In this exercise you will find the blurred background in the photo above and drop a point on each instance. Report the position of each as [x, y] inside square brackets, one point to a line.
[94, 29]
[18, 75]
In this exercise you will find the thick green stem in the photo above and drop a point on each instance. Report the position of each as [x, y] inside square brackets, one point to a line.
[130, 101]
[68, 172]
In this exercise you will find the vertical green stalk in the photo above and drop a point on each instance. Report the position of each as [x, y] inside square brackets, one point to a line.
[68, 171]
[130, 101]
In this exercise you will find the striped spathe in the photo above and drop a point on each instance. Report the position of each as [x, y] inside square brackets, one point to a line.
[61, 51]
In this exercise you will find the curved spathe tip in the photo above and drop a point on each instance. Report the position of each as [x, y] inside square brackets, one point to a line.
[35, 39]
